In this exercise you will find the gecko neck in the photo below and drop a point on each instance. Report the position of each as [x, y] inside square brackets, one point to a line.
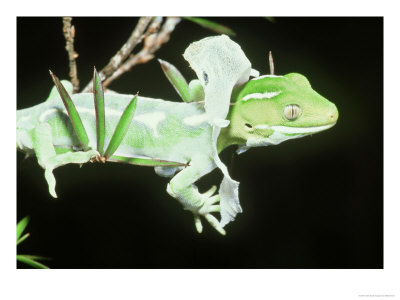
[228, 135]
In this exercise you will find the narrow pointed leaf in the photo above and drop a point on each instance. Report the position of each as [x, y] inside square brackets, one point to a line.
[30, 260]
[21, 226]
[36, 257]
[150, 162]
[212, 25]
[176, 79]
[122, 128]
[271, 19]
[99, 108]
[23, 238]
[196, 91]
[72, 112]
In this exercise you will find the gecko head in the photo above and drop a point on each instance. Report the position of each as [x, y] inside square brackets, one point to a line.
[271, 109]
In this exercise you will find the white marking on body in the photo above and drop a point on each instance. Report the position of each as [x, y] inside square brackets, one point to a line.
[151, 120]
[195, 120]
[109, 111]
[43, 116]
[265, 76]
[24, 119]
[267, 95]
[262, 126]
[81, 110]
[300, 130]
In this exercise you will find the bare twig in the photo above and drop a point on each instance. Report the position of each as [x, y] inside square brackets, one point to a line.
[115, 62]
[271, 64]
[69, 34]
[152, 42]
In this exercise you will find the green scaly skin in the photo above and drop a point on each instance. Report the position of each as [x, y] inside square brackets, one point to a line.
[257, 119]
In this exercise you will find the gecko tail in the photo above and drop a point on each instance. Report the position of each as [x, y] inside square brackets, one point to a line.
[51, 181]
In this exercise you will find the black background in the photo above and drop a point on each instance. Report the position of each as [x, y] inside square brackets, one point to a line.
[315, 202]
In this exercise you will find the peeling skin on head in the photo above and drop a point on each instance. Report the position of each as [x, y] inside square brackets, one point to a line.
[254, 73]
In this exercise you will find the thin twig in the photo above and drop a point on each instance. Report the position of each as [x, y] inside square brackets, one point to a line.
[152, 42]
[69, 34]
[271, 64]
[115, 62]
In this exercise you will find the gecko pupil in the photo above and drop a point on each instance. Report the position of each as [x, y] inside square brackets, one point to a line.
[292, 112]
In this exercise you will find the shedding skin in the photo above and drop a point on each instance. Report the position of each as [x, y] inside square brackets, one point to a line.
[192, 134]
[41, 137]
[49, 160]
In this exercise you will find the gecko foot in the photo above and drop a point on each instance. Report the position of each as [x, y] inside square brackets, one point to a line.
[206, 209]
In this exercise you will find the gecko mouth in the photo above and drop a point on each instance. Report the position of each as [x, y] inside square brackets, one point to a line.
[301, 130]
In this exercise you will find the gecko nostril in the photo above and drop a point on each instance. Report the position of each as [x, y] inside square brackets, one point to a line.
[333, 114]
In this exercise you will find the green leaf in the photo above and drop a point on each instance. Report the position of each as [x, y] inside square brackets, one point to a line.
[176, 79]
[271, 19]
[72, 112]
[30, 260]
[150, 162]
[212, 25]
[21, 226]
[23, 238]
[99, 108]
[122, 128]
[196, 91]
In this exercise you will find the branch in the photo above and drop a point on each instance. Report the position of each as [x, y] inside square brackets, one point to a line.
[152, 42]
[271, 64]
[69, 34]
[115, 62]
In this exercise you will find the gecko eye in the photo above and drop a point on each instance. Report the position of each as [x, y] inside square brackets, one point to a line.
[291, 112]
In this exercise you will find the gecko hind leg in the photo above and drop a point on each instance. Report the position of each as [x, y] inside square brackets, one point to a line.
[49, 160]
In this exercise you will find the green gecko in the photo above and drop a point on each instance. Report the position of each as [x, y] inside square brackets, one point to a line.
[182, 140]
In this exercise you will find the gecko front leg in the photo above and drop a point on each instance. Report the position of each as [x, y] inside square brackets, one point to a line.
[47, 157]
[182, 187]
